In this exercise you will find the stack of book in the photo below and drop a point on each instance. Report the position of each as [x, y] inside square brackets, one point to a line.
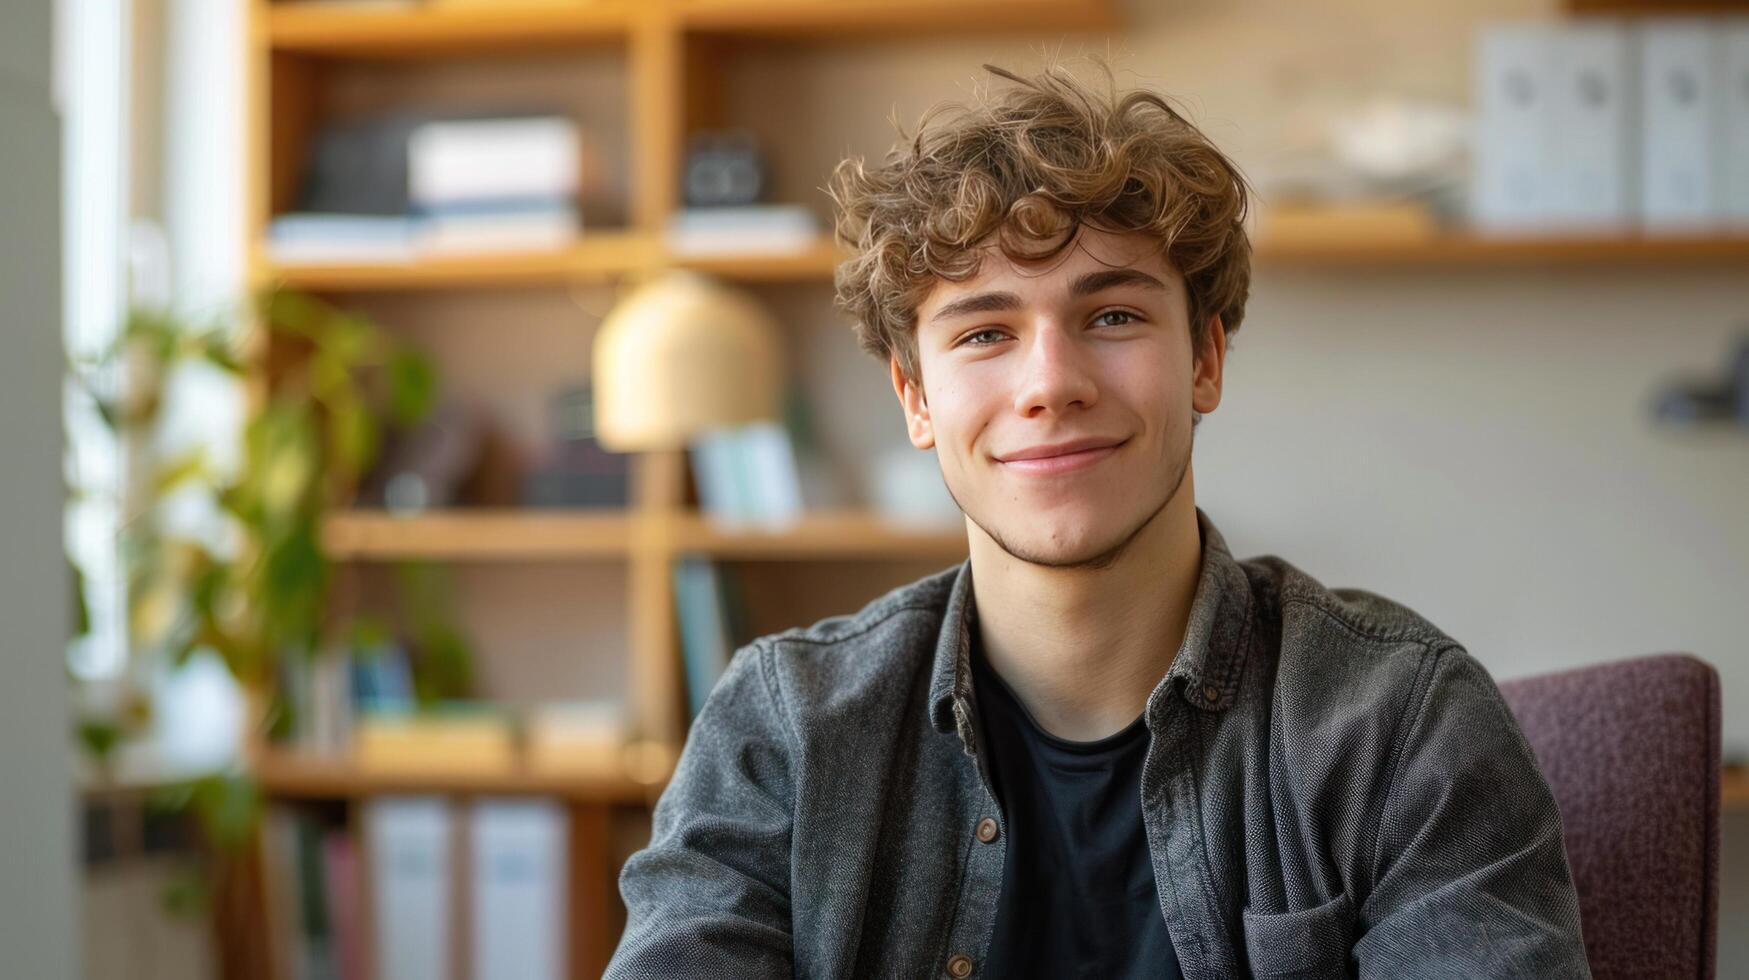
[707, 599]
[515, 852]
[748, 475]
[398, 188]
[495, 184]
[362, 708]
[313, 881]
[740, 229]
[326, 696]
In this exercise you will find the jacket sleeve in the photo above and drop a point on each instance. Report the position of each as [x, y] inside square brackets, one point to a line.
[1471, 874]
[710, 895]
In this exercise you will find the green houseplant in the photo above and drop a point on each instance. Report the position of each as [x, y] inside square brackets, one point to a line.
[253, 584]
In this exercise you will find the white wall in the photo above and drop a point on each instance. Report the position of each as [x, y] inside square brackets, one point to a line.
[37, 931]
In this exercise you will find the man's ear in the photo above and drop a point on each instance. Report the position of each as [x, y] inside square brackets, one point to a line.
[1205, 391]
[916, 407]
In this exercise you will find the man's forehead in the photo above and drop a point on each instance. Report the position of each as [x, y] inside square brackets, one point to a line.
[1052, 278]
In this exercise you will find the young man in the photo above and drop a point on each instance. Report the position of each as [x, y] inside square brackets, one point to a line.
[1101, 747]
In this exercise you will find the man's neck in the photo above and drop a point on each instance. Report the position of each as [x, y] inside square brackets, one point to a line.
[1083, 648]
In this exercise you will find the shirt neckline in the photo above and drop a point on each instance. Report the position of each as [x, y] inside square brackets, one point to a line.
[1108, 745]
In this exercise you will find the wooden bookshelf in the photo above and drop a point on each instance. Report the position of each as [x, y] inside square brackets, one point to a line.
[658, 61]
[668, 54]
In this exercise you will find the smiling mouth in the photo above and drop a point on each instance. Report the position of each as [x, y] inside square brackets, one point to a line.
[1063, 463]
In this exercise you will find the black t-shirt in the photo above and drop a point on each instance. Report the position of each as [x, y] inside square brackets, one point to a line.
[1078, 892]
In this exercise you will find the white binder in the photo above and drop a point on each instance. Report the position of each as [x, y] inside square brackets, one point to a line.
[1511, 186]
[1733, 118]
[519, 893]
[1590, 119]
[1678, 155]
[409, 841]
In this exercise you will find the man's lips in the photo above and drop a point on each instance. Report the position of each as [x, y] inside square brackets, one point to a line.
[1067, 462]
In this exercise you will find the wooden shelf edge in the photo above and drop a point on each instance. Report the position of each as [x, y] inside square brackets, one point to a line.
[852, 19]
[512, 535]
[505, 535]
[596, 257]
[618, 256]
[1459, 249]
[288, 774]
[419, 31]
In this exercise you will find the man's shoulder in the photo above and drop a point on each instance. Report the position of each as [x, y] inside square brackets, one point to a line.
[1343, 619]
[1341, 648]
[1355, 668]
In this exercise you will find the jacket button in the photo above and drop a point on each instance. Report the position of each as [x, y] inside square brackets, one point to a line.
[1211, 693]
[959, 965]
[987, 830]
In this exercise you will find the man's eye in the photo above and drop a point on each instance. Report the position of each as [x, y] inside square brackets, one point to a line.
[986, 332]
[1124, 317]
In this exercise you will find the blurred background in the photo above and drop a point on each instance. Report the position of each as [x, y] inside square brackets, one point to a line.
[448, 387]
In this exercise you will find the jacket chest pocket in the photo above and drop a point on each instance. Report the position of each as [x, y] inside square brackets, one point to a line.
[1311, 944]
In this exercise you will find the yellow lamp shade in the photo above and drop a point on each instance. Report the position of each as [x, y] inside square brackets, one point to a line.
[679, 355]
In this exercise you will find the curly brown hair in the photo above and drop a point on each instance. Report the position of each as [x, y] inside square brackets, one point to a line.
[1023, 169]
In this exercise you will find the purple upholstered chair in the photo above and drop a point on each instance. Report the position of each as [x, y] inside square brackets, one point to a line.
[1631, 750]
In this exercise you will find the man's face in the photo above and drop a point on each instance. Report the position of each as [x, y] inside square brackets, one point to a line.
[1058, 395]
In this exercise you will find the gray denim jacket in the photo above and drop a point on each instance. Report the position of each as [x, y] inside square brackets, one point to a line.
[1332, 788]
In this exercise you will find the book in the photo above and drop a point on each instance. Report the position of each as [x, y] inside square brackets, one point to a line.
[519, 901]
[748, 475]
[1677, 159]
[284, 891]
[761, 228]
[577, 738]
[409, 843]
[345, 919]
[514, 227]
[466, 161]
[1590, 95]
[1733, 149]
[706, 640]
[1512, 190]
[318, 959]
[471, 738]
[319, 238]
[311, 900]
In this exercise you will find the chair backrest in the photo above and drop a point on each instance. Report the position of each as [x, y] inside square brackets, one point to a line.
[1631, 751]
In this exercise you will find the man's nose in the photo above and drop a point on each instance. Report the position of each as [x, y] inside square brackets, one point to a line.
[1056, 375]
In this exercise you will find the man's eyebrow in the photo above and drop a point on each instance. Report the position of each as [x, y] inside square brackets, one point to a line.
[1084, 285]
[977, 303]
[1093, 282]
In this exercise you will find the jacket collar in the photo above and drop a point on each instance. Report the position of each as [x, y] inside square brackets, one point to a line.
[1217, 637]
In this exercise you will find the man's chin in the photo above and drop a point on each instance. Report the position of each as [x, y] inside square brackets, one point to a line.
[1060, 548]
